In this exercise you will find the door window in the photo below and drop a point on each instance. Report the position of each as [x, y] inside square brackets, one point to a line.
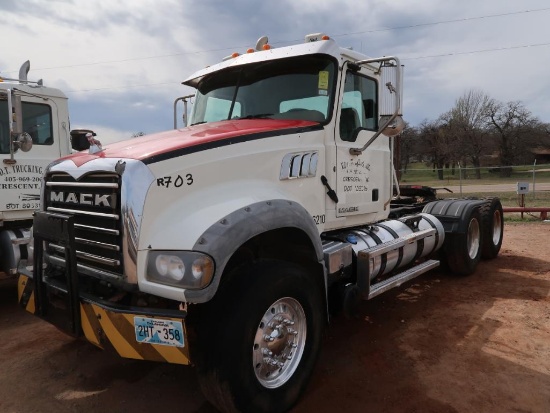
[359, 106]
[37, 122]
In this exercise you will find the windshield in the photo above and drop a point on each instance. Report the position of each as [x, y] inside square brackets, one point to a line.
[294, 88]
[37, 122]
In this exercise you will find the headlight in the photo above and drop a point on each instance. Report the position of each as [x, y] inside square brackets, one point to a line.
[186, 269]
[170, 265]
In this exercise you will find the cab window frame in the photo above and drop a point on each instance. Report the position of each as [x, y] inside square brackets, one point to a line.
[361, 110]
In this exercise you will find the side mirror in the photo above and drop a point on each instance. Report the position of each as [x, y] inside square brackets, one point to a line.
[394, 127]
[391, 98]
[23, 142]
[79, 141]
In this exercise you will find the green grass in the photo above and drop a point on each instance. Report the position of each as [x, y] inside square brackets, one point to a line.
[509, 199]
[417, 173]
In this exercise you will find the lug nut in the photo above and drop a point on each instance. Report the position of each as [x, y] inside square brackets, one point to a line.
[271, 362]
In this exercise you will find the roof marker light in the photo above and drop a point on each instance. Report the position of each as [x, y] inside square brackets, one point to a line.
[266, 47]
[250, 50]
[233, 55]
[315, 37]
[261, 41]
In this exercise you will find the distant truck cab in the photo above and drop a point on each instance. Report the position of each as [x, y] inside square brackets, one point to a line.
[34, 131]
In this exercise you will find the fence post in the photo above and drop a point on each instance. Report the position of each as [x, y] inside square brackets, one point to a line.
[460, 178]
[534, 180]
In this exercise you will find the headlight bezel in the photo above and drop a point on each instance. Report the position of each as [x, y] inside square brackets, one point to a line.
[163, 265]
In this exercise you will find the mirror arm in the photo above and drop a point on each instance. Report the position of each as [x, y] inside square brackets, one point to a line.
[359, 151]
[185, 101]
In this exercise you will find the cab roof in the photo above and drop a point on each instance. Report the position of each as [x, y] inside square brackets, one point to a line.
[327, 47]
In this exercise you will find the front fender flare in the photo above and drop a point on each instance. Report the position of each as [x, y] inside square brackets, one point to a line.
[224, 237]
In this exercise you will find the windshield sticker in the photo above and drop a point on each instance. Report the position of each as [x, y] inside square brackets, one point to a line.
[323, 80]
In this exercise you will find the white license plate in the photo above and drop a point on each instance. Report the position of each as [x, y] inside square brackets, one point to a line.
[159, 331]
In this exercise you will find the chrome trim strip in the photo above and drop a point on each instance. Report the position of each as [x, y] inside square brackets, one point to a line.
[83, 184]
[97, 229]
[89, 257]
[136, 179]
[313, 164]
[285, 167]
[296, 165]
[299, 165]
[304, 168]
[79, 212]
[98, 244]
[85, 269]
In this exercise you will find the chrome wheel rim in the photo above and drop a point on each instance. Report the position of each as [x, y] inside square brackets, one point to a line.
[497, 227]
[473, 238]
[279, 342]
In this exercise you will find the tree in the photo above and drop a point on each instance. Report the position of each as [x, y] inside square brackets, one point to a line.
[405, 145]
[511, 124]
[467, 119]
[436, 141]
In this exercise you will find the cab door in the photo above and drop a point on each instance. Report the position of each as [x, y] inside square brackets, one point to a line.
[363, 179]
[20, 177]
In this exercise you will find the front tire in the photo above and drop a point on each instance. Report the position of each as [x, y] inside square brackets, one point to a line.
[260, 339]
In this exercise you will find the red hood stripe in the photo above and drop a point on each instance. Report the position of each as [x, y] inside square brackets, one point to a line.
[156, 146]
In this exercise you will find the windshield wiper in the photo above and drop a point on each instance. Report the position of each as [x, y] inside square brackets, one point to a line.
[258, 116]
[198, 123]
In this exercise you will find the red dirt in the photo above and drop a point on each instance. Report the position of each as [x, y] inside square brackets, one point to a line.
[437, 344]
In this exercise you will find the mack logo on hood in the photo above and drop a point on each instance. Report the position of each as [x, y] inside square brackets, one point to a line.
[105, 200]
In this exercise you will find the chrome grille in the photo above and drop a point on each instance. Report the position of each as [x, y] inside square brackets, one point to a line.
[94, 201]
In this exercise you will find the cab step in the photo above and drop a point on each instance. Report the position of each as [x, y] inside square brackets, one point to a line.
[398, 279]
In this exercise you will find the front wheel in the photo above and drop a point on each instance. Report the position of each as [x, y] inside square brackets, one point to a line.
[261, 339]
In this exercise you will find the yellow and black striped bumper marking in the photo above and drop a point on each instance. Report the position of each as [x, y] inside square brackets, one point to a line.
[109, 329]
[25, 293]
[100, 325]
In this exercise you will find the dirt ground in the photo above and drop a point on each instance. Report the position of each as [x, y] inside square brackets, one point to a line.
[437, 344]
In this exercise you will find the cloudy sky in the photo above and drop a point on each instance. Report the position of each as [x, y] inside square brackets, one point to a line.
[121, 62]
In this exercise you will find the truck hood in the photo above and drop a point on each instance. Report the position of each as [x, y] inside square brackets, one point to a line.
[159, 146]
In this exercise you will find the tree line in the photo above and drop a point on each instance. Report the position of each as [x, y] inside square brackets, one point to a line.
[477, 131]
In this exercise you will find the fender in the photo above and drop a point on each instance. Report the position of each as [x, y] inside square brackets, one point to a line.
[451, 213]
[224, 237]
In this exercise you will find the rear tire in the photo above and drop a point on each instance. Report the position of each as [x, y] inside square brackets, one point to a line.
[260, 338]
[492, 219]
[463, 251]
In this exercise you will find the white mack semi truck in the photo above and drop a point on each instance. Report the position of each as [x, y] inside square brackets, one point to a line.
[34, 131]
[229, 243]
